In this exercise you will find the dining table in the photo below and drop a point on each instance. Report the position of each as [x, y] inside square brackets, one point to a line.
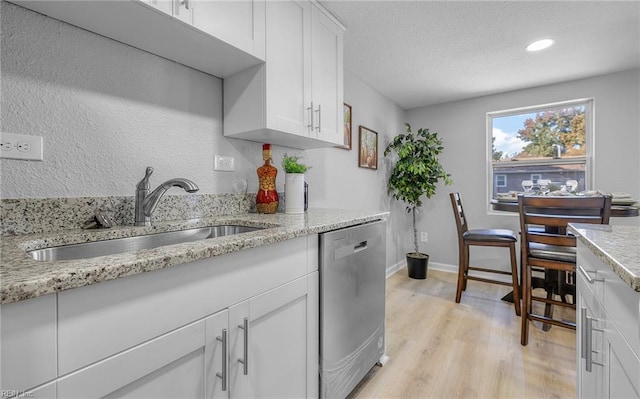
[617, 210]
[624, 208]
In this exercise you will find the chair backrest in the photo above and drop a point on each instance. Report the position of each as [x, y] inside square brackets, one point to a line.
[555, 213]
[458, 212]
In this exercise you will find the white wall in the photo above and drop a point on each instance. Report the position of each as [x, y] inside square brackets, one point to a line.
[462, 127]
[106, 111]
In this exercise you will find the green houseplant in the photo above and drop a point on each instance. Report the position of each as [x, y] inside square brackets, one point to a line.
[415, 174]
[294, 184]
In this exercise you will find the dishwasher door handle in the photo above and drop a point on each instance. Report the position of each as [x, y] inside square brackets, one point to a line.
[350, 249]
[360, 247]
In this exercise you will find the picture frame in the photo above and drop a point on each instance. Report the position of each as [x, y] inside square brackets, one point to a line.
[367, 148]
[346, 127]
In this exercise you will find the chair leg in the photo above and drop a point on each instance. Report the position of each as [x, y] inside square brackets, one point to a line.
[514, 278]
[526, 305]
[548, 309]
[466, 267]
[462, 271]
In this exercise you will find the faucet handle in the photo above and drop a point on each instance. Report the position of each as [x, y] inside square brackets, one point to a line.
[144, 183]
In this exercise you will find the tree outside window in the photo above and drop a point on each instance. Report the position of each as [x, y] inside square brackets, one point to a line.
[548, 142]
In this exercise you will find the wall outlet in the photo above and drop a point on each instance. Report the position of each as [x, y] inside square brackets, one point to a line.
[21, 146]
[424, 237]
[223, 162]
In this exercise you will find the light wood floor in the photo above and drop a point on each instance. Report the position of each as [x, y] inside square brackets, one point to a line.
[440, 349]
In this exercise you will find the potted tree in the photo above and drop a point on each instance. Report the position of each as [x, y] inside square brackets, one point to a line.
[416, 173]
[294, 184]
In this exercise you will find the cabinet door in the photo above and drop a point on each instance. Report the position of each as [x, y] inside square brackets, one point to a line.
[288, 75]
[239, 22]
[269, 343]
[326, 77]
[216, 355]
[623, 366]
[170, 366]
[166, 6]
[589, 343]
[28, 343]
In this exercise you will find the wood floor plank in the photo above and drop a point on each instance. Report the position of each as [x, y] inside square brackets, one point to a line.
[440, 349]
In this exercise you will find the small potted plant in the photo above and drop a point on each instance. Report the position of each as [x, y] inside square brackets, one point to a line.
[294, 184]
[415, 174]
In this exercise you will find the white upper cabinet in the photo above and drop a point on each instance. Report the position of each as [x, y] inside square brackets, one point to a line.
[295, 98]
[239, 23]
[220, 38]
[326, 77]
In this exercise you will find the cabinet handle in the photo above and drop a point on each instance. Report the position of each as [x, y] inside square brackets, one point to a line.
[310, 125]
[223, 375]
[319, 111]
[589, 339]
[589, 344]
[185, 3]
[587, 276]
[583, 335]
[245, 361]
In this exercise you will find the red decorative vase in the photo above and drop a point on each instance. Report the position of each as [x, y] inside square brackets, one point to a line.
[267, 198]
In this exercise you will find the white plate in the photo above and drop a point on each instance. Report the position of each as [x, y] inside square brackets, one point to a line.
[623, 201]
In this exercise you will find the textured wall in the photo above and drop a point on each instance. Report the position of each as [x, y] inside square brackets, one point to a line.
[462, 125]
[106, 111]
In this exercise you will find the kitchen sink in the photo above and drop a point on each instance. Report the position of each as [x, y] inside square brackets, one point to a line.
[132, 244]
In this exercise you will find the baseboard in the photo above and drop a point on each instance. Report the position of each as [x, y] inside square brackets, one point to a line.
[432, 265]
[445, 267]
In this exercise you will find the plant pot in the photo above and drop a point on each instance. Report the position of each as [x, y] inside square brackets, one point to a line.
[417, 264]
[294, 193]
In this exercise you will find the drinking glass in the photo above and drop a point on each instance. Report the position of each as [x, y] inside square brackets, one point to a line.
[544, 184]
[240, 189]
[527, 186]
[572, 185]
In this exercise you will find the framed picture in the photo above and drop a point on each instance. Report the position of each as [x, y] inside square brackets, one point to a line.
[346, 127]
[367, 148]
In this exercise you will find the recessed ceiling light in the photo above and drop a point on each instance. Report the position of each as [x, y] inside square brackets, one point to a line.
[539, 45]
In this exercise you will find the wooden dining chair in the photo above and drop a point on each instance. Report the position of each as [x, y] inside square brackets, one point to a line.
[547, 247]
[483, 238]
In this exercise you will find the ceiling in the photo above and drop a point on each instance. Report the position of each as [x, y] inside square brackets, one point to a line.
[420, 53]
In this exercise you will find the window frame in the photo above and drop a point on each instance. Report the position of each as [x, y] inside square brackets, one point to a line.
[589, 104]
[504, 183]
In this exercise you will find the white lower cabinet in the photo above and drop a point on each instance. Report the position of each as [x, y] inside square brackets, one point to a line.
[232, 326]
[607, 331]
[169, 366]
[257, 348]
[269, 340]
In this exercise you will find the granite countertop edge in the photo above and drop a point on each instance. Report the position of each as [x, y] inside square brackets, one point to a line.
[22, 277]
[616, 246]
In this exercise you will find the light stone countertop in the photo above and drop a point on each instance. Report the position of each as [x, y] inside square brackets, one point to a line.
[617, 246]
[22, 278]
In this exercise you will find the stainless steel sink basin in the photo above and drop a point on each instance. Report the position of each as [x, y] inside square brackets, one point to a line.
[132, 244]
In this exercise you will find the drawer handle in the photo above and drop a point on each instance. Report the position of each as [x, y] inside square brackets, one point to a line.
[245, 360]
[587, 276]
[223, 374]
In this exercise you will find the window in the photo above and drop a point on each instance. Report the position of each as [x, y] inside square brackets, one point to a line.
[552, 141]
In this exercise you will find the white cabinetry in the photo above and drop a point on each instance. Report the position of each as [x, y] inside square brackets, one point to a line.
[176, 332]
[28, 347]
[295, 98]
[607, 336]
[219, 38]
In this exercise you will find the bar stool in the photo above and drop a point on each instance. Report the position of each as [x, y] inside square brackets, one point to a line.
[484, 238]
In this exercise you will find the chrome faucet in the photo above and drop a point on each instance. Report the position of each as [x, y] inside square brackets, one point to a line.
[146, 203]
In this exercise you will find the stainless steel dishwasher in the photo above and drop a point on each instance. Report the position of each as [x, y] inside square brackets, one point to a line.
[352, 306]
